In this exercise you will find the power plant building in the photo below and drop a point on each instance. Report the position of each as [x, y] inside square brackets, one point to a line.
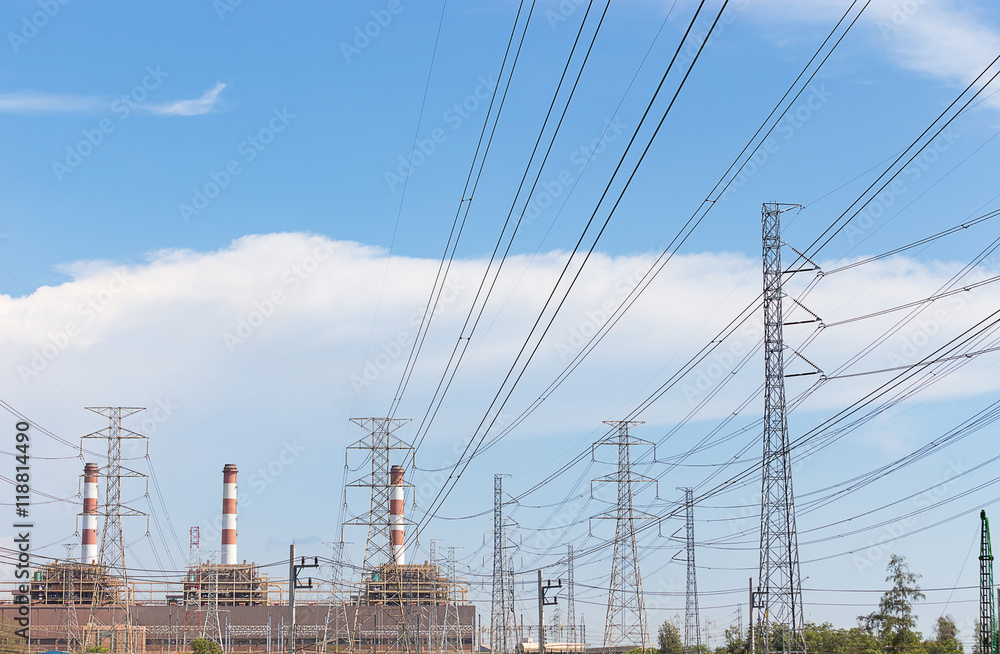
[396, 607]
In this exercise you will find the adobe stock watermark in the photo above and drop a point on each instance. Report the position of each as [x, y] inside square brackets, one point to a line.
[262, 478]
[32, 25]
[883, 544]
[433, 480]
[60, 339]
[880, 204]
[704, 35]
[123, 106]
[223, 7]
[371, 30]
[292, 279]
[453, 118]
[248, 150]
[548, 192]
[721, 362]
[594, 319]
[391, 350]
[786, 128]
[900, 15]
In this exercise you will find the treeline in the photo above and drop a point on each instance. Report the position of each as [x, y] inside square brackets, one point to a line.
[891, 629]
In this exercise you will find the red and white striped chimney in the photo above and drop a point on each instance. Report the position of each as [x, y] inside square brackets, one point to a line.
[229, 514]
[89, 553]
[396, 515]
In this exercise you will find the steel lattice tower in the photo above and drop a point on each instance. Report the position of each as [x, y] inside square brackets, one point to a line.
[502, 622]
[378, 442]
[451, 635]
[212, 627]
[780, 620]
[570, 595]
[626, 618]
[336, 610]
[692, 623]
[116, 593]
[72, 625]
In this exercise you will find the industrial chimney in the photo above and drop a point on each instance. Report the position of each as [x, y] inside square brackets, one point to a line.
[229, 514]
[89, 554]
[396, 514]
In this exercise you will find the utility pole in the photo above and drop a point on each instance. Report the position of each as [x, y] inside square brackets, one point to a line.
[293, 584]
[114, 584]
[542, 603]
[626, 618]
[692, 626]
[780, 580]
[751, 638]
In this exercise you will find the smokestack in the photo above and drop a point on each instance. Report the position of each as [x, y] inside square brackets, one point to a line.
[89, 553]
[229, 514]
[396, 515]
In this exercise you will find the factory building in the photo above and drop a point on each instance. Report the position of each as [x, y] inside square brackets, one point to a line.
[397, 607]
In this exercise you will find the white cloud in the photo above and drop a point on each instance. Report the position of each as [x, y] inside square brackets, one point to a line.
[249, 352]
[31, 102]
[943, 40]
[948, 41]
[196, 107]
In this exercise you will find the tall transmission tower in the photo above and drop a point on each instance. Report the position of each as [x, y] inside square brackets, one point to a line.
[212, 627]
[626, 618]
[692, 626]
[72, 624]
[451, 635]
[379, 442]
[570, 595]
[781, 620]
[192, 605]
[502, 622]
[336, 611]
[115, 592]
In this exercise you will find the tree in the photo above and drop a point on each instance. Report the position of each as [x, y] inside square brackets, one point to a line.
[668, 637]
[945, 637]
[736, 642]
[205, 646]
[894, 624]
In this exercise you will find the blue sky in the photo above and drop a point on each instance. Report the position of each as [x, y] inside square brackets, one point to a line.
[120, 119]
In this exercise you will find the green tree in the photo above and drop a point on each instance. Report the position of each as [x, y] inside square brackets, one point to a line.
[668, 638]
[205, 646]
[736, 642]
[977, 638]
[945, 637]
[894, 624]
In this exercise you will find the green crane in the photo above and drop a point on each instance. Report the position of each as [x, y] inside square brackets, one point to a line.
[987, 609]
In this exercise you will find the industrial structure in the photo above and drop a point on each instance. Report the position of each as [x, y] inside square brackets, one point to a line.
[394, 607]
[987, 609]
[780, 589]
[626, 624]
